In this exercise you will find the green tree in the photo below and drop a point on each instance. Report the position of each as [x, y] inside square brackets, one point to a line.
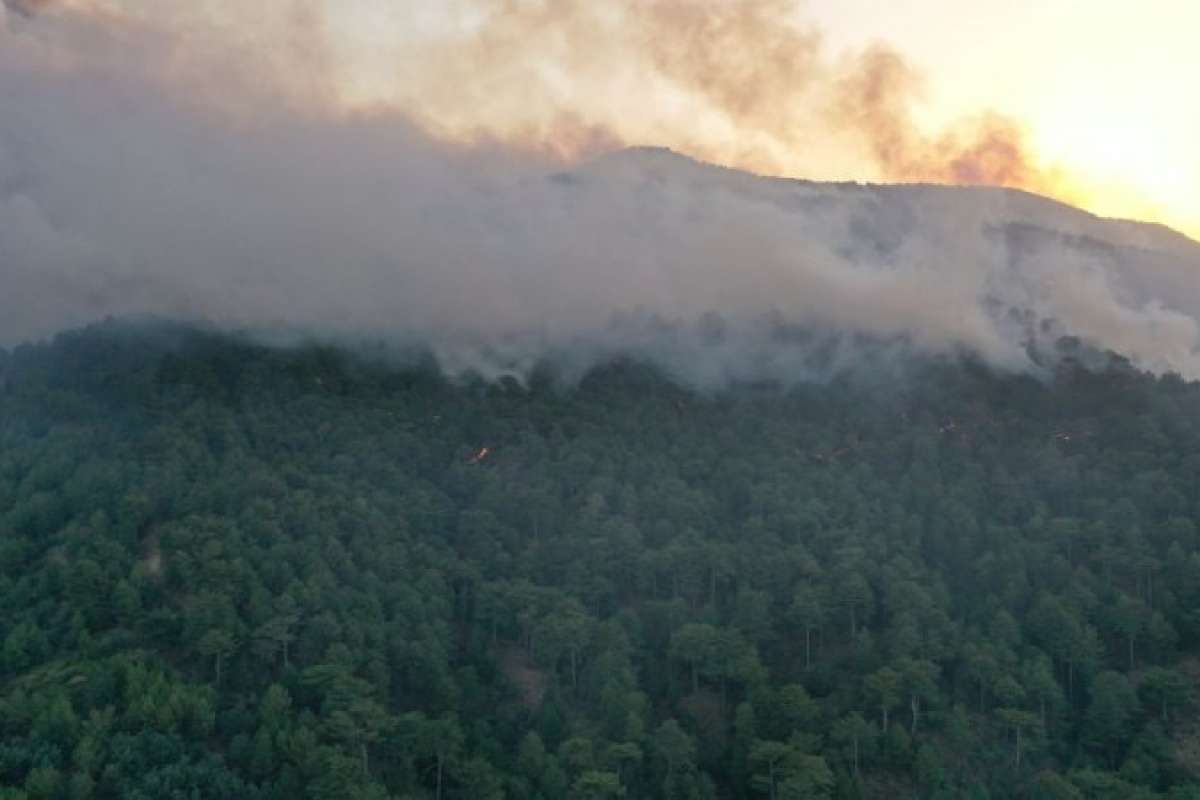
[1166, 689]
[438, 742]
[783, 771]
[1129, 619]
[855, 734]
[885, 686]
[274, 637]
[697, 645]
[675, 747]
[920, 682]
[216, 644]
[596, 785]
[1018, 721]
[1110, 713]
[855, 594]
[770, 763]
[808, 610]
[359, 724]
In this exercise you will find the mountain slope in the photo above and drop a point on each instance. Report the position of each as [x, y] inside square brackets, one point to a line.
[938, 264]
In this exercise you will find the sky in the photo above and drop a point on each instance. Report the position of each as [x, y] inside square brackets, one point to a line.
[1103, 87]
[1087, 101]
[1100, 90]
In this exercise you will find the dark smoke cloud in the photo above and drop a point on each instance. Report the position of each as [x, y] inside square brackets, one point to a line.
[136, 177]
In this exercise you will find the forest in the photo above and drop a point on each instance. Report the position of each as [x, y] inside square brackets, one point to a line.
[232, 570]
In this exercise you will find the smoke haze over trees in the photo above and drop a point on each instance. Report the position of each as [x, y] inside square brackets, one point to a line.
[144, 169]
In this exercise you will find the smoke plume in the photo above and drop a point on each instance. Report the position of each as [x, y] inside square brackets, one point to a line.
[173, 164]
[739, 82]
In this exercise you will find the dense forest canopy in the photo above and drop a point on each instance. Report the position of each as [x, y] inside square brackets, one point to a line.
[229, 570]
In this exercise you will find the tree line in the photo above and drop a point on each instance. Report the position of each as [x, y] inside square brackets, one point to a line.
[229, 570]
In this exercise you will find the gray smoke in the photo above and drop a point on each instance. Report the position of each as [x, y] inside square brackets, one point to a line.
[131, 184]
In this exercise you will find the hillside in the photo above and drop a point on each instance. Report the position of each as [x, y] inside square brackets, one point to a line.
[238, 571]
[497, 267]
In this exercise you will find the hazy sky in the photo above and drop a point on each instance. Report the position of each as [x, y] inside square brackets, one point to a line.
[1095, 98]
[1106, 87]
[1103, 90]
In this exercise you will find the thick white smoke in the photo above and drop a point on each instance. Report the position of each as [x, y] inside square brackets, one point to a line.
[132, 181]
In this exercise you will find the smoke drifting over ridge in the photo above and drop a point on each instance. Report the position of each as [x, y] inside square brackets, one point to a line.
[144, 169]
[751, 84]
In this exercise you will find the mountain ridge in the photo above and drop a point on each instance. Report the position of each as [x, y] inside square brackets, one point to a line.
[657, 160]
